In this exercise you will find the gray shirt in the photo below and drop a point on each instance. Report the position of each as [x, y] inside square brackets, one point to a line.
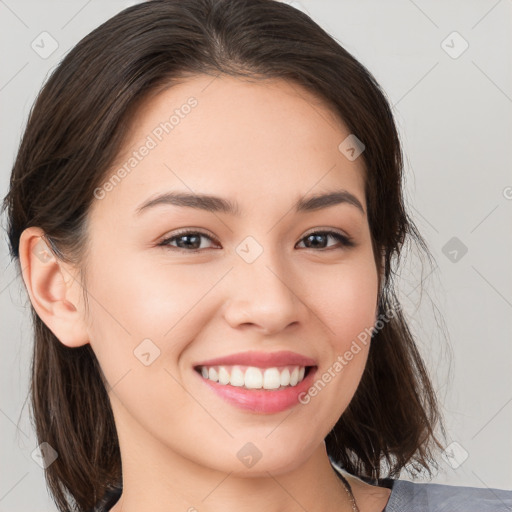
[429, 497]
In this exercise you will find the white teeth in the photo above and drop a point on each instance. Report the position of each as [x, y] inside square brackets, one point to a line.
[285, 377]
[271, 378]
[212, 374]
[223, 375]
[252, 377]
[237, 377]
[294, 377]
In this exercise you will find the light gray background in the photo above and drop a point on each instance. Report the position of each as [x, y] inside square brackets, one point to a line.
[455, 119]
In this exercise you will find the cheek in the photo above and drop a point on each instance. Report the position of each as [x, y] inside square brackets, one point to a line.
[346, 309]
[146, 297]
[345, 300]
[139, 306]
[142, 317]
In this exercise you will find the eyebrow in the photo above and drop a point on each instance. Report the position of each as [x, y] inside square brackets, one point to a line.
[217, 204]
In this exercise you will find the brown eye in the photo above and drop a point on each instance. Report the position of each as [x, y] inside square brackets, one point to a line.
[317, 238]
[188, 241]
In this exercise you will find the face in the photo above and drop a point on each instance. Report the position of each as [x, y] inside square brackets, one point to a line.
[264, 278]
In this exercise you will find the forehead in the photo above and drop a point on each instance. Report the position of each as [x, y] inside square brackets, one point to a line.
[236, 138]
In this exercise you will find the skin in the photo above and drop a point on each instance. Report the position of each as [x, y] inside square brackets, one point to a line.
[263, 144]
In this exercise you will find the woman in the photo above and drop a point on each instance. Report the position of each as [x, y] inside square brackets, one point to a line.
[206, 208]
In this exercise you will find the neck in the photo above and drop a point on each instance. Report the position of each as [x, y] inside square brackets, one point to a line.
[159, 480]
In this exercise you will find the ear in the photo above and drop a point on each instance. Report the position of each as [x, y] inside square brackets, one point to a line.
[53, 289]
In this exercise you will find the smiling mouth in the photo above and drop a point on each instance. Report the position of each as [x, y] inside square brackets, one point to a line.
[255, 378]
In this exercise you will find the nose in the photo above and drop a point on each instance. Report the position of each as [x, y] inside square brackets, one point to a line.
[265, 295]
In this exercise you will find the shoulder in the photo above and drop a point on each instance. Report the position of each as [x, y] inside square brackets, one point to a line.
[429, 497]
[395, 495]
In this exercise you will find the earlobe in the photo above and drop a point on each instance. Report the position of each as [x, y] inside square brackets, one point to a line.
[53, 291]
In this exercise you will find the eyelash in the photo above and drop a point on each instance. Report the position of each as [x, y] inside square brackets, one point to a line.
[345, 241]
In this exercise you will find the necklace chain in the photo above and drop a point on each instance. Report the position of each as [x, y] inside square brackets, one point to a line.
[348, 490]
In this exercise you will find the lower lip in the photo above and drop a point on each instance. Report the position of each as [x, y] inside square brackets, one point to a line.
[260, 400]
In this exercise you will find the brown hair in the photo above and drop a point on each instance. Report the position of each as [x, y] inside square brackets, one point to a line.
[76, 129]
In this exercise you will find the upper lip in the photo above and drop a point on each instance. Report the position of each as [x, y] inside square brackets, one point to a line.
[261, 359]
